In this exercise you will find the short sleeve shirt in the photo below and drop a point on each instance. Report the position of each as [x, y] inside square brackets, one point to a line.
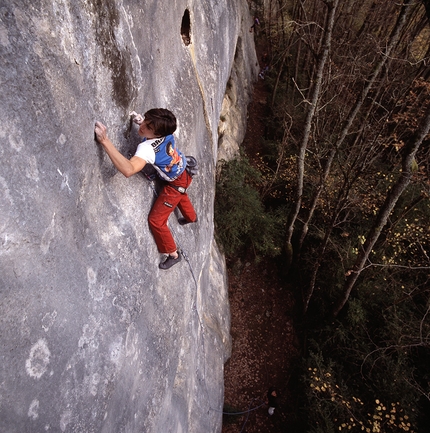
[162, 153]
[146, 151]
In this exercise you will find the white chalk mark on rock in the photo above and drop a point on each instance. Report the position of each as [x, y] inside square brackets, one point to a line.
[16, 142]
[37, 364]
[62, 139]
[131, 342]
[5, 191]
[48, 320]
[88, 338]
[94, 383]
[117, 351]
[48, 236]
[31, 170]
[96, 290]
[65, 181]
[33, 410]
[4, 36]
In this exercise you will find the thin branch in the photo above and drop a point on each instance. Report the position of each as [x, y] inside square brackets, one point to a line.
[303, 96]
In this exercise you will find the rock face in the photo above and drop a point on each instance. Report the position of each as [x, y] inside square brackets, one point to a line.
[232, 125]
[94, 337]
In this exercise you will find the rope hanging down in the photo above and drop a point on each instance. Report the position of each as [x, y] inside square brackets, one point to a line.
[194, 307]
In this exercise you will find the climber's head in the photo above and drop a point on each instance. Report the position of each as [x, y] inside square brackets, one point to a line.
[159, 121]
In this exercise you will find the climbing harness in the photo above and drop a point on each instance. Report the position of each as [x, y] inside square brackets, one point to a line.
[180, 189]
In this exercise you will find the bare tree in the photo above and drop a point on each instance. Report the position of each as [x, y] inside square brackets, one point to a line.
[392, 197]
[332, 6]
[353, 114]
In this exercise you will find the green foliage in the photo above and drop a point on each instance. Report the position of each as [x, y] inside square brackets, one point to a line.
[241, 219]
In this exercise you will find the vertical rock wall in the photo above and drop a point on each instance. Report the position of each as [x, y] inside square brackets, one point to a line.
[94, 337]
[232, 124]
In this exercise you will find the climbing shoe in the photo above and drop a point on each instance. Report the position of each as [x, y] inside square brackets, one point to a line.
[183, 221]
[169, 262]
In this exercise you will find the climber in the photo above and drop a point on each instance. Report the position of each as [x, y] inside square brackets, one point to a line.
[158, 148]
[256, 23]
[272, 399]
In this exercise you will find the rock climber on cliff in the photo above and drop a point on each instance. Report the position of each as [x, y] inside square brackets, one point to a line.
[158, 148]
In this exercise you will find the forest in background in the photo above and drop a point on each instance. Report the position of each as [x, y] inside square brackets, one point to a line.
[337, 193]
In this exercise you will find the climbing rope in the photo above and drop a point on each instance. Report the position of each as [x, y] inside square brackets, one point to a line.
[247, 415]
[247, 412]
[241, 413]
[194, 307]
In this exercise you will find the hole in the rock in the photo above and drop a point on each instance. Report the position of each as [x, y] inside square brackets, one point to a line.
[186, 28]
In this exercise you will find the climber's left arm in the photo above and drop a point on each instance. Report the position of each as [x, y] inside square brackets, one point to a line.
[127, 167]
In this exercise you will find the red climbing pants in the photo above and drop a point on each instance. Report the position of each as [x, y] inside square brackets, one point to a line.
[165, 204]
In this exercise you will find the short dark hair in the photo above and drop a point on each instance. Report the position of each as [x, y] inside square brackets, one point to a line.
[161, 121]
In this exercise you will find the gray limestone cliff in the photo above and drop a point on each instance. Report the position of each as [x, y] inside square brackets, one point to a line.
[94, 337]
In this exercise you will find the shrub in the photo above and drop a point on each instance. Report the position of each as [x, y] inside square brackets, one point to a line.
[241, 220]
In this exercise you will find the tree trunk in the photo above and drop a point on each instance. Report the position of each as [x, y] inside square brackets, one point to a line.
[308, 123]
[353, 113]
[391, 200]
[278, 77]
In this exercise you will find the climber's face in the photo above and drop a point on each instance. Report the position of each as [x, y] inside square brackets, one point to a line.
[146, 130]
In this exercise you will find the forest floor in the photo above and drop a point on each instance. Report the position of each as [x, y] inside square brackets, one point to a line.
[265, 344]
